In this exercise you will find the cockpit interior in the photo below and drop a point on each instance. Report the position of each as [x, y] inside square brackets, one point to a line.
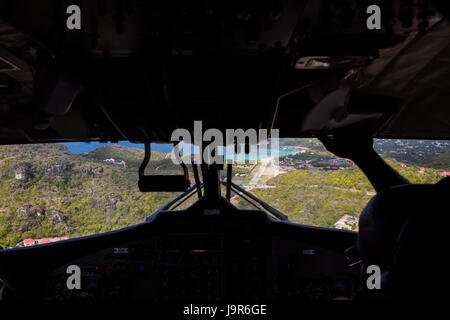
[136, 71]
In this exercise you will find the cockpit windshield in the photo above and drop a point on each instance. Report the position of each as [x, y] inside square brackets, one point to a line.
[50, 192]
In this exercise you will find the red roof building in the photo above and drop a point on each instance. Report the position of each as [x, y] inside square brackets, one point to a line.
[45, 240]
[445, 173]
[29, 242]
[287, 168]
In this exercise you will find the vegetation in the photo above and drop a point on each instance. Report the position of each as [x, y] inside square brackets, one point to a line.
[47, 191]
[441, 161]
[321, 198]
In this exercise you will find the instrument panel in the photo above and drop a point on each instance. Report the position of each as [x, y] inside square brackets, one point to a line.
[237, 255]
[166, 267]
[212, 266]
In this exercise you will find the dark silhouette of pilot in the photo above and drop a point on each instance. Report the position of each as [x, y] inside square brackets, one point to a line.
[392, 233]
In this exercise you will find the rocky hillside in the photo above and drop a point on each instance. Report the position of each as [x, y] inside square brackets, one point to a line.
[47, 191]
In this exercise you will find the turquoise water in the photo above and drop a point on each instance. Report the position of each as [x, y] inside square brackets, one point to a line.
[253, 155]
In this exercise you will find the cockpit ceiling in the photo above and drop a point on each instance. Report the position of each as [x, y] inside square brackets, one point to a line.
[137, 70]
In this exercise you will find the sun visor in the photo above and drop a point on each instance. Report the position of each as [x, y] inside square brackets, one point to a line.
[417, 73]
[342, 108]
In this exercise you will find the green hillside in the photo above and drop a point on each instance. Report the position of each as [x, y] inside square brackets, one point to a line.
[441, 161]
[46, 191]
[132, 156]
[321, 198]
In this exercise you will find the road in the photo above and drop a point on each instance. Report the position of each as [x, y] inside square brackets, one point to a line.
[259, 173]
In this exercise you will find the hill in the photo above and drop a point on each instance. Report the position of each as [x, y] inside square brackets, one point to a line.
[132, 156]
[441, 161]
[321, 198]
[425, 153]
[47, 191]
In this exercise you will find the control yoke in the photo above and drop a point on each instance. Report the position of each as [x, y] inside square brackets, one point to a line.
[161, 183]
